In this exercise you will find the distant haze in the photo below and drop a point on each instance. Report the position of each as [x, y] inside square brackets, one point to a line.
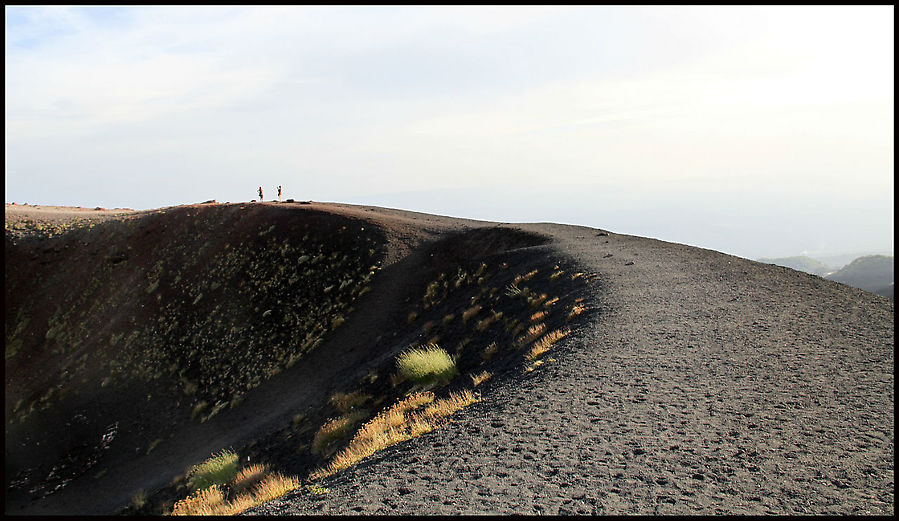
[757, 131]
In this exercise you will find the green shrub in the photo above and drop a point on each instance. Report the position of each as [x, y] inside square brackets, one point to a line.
[217, 470]
[427, 365]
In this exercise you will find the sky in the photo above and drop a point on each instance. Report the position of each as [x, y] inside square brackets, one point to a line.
[755, 131]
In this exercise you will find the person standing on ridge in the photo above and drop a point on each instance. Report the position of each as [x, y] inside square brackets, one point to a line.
[260, 194]
[279, 193]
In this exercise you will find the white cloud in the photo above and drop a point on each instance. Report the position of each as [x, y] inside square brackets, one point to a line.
[354, 101]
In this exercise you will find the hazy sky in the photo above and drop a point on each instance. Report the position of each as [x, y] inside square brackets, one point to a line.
[757, 131]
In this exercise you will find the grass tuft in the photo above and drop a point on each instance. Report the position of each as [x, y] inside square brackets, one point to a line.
[478, 379]
[524, 277]
[427, 365]
[217, 470]
[333, 431]
[400, 422]
[274, 486]
[576, 310]
[532, 334]
[207, 502]
[447, 406]
[489, 351]
[543, 345]
[249, 476]
[212, 500]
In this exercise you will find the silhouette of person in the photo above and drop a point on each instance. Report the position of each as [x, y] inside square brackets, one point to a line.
[260, 194]
[279, 193]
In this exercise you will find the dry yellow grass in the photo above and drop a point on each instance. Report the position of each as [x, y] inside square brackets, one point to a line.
[332, 431]
[576, 310]
[543, 345]
[538, 316]
[525, 277]
[550, 302]
[532, 334]
[274, 486]
[398, 423]
[211, 501]
[489, 351]
[239, 504]
[534, 302]
[207, 502]
[249, 476]
[449, 405]
[478, 379]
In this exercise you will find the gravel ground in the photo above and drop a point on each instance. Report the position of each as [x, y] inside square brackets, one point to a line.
[705, 384]
[701, 384]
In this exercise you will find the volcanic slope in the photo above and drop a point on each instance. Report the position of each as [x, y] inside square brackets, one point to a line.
[682, 380]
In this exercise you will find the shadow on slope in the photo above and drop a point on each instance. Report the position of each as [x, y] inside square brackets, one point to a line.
[119, 333]
[485, 295]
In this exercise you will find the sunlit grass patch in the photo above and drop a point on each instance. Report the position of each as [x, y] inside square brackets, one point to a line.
[449, 405]
[317, 490]
[249, 476]
[207, 502]
[535, 365]
[274, 486]
[576, 310]
[543, 345]
[524, 277]
[217, 470]
[537, 299]
[532, 334]
[213, 501]
[538, 316]
[478, 379]
[427, 365]
[512, 290]
[239, 504]
[398, 423]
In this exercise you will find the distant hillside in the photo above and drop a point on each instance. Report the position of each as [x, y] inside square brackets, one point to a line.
[800, 263]
[871, 273]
